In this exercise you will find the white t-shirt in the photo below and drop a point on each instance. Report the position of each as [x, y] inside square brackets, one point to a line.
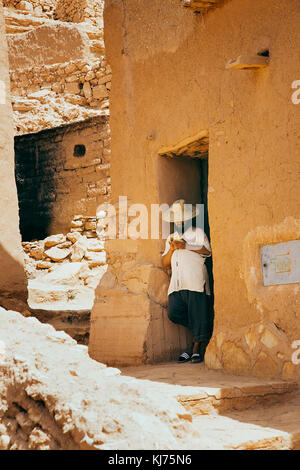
[189, 271]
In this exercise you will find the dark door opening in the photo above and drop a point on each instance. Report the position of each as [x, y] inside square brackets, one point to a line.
[183, 173]
[204, 168]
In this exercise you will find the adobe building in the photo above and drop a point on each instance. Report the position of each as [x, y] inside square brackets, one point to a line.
[201, 109]
[54, 93]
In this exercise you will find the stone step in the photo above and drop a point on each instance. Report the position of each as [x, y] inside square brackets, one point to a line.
[228, 412]
[209, 400]
[202, 391]
[274, 427]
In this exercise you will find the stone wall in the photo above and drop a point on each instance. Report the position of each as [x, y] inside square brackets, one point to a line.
[12, 278]
[36, 6]
[45, 97]
[68, 77]
[47, 45]
[78, 11]
[61, 172]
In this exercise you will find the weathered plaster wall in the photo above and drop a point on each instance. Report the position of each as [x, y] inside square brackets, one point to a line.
[12, 277]
[47, 45]
[53, 183]
[169, 82]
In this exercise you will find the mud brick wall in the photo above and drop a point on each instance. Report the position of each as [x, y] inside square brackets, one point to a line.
[60, 173]
[88, 83]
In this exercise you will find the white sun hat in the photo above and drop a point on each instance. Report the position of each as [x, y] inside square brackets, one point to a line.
[180, 211]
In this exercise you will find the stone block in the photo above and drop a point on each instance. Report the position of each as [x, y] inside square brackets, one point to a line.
[234, 359]
[54, 240]
[251, 339]
[211, 358]
[95, 259]
[100, 92]
[288, 371]
[72, 88]
[265, 367]
[25, 6]
[268, 339]
[57, 254]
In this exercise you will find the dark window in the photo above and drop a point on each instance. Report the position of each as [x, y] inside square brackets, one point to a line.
[79, 151]
[264, 53]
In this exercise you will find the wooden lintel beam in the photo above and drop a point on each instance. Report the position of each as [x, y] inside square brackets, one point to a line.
[195, 144]
[199, 5]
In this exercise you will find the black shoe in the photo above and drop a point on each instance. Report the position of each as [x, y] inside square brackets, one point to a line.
[184, 357]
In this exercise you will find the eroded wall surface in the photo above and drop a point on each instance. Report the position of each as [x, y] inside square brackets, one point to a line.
[61, 173]
[12, 277]
[170, 83]
[78, 403]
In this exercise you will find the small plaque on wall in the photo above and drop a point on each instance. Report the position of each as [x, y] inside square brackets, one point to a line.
[281, 263]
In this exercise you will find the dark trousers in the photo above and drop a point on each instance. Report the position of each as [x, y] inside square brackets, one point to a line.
[193, 310]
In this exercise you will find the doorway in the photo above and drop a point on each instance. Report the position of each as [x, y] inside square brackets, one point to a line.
[183, 173]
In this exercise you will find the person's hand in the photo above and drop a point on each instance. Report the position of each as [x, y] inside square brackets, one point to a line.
[177, 245]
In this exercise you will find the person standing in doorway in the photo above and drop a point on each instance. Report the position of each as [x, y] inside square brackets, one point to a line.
[188, 294]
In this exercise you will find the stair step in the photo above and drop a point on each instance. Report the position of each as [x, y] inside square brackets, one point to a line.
[203, 391]
[228, 411]
[269, 428]
[207, 400]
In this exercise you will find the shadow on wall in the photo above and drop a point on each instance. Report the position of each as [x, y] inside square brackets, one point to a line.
[34, 172]
[13, 284]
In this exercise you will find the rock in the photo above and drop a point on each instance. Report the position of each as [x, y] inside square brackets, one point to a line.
[66, 244]
[94, 276]
[90, 225]
[23, 105]
[38, 11]
[95, 259]
[76, 223]
[269, 340]
[25, 422]
[4, 441]
[74, 236]
[40, 440]
[36, 252]
[57, 254]
[89, 76]
[54, 240]
[72, 88]
[78, 250]
[67, 274]
[211, 358]
[25, 6]
[95, 245]
[288, 371]
[39, 95]
[235, 360]
[100, 92]
[265, 367]
[57, 87]
[44, 265]
[90, 234]
[87, 90]
[250, 338]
